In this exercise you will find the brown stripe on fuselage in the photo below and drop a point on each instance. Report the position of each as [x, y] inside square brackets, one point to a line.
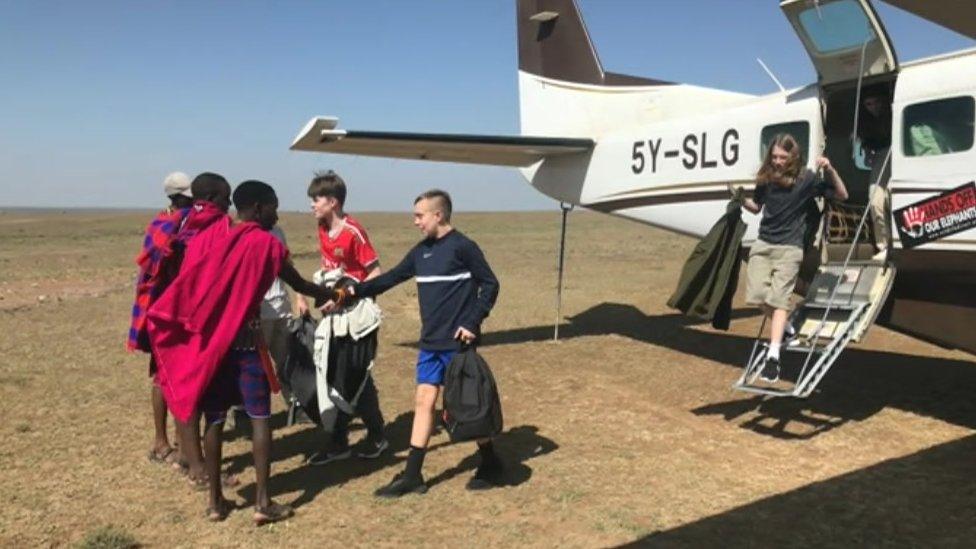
[611, 206]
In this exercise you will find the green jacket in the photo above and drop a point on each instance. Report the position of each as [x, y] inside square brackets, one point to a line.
[711, 273]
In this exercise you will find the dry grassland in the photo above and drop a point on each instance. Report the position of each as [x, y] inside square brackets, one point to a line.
[625, 431]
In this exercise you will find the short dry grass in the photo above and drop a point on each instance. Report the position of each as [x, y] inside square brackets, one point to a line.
[625, 431]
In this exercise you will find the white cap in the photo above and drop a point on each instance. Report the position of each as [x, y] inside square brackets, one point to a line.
[177, 183]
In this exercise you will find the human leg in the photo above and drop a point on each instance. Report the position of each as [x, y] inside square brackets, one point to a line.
[216, 504]
[431, 366]
[758, 274]
[785, 267]
[336, 446]
[778, 326]
[369, 409]
[161, 449]
[265, 509]
[189, 436]
[878, 202]
[255, 393]
[425, 402]
[411, 480]
[261, 447]
[490, 471]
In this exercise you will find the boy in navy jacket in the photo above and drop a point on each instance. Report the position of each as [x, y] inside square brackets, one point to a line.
[456, 289]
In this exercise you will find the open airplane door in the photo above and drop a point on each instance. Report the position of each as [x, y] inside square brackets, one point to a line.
[835, 32]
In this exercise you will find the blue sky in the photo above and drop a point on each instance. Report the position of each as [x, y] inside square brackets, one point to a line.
[101, 99]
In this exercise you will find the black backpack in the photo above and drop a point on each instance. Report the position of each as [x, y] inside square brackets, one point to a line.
[472, 409]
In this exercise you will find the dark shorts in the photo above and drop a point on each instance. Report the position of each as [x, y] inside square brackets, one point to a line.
[431, 366]
[240, 379]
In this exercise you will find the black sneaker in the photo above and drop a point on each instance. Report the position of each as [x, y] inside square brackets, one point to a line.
[488, 475]
[402, 485]
[770, 370]
[323, 457]
[372, 450]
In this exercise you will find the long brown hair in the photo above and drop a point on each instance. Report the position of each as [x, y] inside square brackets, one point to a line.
[787, 175]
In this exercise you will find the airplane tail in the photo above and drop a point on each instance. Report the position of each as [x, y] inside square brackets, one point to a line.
[553, 43]
[565, 91]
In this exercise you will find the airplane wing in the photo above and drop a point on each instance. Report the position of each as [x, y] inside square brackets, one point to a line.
[959, 16]
[321, 135]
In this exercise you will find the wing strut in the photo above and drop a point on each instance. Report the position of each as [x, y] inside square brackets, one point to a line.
[566, 208]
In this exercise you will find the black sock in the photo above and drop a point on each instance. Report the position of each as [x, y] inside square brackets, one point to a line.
[415, 460]
[487, 451]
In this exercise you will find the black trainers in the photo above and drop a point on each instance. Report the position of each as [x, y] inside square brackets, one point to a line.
[770, 370]
[323, 457]
[372, 450]
[402, 485]
[488, 475]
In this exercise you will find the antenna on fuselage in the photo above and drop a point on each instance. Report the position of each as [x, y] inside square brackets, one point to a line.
[771, 75]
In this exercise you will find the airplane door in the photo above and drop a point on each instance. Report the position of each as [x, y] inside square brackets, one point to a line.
[834, 32]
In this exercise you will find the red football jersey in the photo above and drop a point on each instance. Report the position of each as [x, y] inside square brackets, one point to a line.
[348, 248]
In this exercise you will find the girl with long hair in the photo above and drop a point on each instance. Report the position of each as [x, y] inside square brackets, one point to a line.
[784, 192]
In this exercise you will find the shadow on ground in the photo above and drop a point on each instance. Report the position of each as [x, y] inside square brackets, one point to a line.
[922, 500]
[861, 383]
[515, 446]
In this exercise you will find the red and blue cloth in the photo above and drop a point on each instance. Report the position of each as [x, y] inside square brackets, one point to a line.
[155, 272]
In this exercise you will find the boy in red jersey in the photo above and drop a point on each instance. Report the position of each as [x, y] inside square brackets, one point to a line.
[345, 245]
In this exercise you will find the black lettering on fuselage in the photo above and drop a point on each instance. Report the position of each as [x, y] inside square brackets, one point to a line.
[655, 146]
[691, 153]
[705, 162]
[730, 147]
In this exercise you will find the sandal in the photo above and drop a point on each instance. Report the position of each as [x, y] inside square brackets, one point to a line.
[198, 483]
[202, 483]
[228, 480]
[271, 513]
[168, 455]
[220, 512]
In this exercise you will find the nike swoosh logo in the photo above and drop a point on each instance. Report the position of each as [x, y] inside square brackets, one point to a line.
[428, 255]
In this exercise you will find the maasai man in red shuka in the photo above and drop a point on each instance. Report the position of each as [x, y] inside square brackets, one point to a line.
[158, 265]
[206, 334]
[206, 221]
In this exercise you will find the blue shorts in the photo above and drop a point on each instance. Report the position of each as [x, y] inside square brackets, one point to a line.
[240, 379]
[431, 366]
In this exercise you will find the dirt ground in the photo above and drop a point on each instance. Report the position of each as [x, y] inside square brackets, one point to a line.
[625, 431]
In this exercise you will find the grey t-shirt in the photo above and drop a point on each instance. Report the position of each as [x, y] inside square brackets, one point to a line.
[786, 212]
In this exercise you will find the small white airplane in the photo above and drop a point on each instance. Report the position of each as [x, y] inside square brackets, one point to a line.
[666, 154]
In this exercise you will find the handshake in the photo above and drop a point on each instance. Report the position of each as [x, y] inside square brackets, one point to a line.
[340, 294]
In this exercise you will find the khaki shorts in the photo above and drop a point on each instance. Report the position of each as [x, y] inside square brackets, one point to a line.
[771, 274]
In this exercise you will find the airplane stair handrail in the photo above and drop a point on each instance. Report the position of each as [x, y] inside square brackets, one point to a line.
[874, 187]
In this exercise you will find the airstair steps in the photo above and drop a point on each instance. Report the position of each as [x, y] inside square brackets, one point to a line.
[842, 301]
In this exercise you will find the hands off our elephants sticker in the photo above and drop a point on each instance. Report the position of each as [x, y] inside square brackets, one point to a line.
[937, 217]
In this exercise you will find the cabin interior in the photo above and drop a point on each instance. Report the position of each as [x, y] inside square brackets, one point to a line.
[843, 144]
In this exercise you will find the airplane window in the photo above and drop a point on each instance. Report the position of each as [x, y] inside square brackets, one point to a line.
[799, 130]
[836, 26]
[938, 127]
